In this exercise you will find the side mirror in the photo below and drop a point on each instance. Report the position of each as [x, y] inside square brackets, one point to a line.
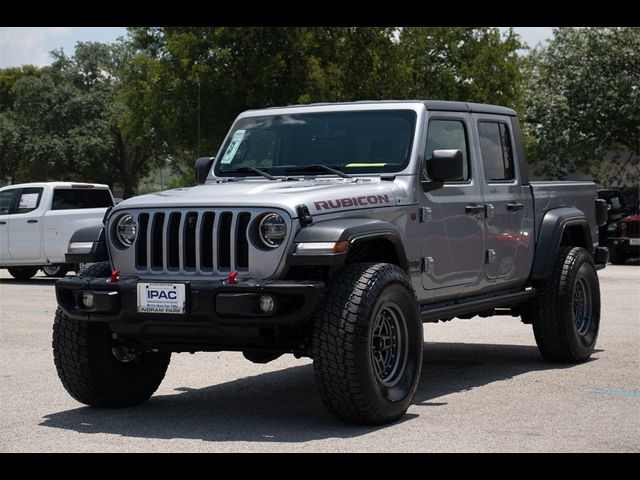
[444, 166]
[203, 166]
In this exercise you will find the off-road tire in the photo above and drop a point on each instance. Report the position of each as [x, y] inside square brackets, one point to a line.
[343, 348]
[616, 257]
[23, 273]
[561, 333]
[88, 368]
[55, 271]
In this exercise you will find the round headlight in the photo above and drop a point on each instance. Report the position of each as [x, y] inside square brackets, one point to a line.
[272, 230]
[126, 230]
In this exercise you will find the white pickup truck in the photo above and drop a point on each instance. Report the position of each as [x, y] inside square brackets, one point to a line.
[38, 219]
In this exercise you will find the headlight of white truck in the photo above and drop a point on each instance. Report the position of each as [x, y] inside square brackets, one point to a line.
[126, 230]
[272, 230]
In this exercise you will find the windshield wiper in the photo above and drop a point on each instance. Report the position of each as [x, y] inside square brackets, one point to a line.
[316, 167]
[251, 170]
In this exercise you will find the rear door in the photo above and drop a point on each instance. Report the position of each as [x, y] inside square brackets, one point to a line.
[506, 235]
[72, 208]
[25, 226]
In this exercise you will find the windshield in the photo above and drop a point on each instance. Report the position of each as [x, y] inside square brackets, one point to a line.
[373, 141]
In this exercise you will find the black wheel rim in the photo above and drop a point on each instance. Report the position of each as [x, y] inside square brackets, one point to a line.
[389, 345]
[582, 306]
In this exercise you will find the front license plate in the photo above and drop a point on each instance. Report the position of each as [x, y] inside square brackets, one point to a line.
[634, 241]
[161, 298]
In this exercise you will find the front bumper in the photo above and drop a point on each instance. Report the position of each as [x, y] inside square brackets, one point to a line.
[626, 245]
[217, 313]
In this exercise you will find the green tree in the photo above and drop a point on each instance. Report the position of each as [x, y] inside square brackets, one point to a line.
[583, 103]
[466, 64]
[84, 118]
[204, 77]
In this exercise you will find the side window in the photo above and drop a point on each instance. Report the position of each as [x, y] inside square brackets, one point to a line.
[497, 153]
[29, 200]
[70, 199]
[7, 198]
[447, 135]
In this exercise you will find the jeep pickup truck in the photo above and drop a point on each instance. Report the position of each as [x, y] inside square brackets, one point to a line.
[333, 231]
[38, 219]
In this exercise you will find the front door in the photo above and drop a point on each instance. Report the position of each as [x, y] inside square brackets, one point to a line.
[452, 215]
[7, 199]
[506, 234]
[25, 238]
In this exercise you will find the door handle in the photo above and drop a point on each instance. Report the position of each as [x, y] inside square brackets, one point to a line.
[32, 221]
[513, 206]
[3, 223]
[473, 209]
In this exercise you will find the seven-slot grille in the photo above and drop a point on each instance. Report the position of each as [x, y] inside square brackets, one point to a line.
[633, 229]
[193, 241]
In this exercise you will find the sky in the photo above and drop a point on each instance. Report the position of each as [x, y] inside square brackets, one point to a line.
[31, 45]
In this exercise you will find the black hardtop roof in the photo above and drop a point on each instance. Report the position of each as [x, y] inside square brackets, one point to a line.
[434, 105]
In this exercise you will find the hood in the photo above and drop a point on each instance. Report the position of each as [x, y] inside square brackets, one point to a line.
[319, 195]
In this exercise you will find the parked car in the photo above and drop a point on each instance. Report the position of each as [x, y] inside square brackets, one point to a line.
[333, 231]
[38, 219]
[624, 243]
[616, 208]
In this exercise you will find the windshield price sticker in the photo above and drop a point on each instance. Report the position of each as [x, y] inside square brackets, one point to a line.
[232, 149]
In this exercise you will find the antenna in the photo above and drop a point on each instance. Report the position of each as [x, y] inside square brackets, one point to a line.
[198, 134]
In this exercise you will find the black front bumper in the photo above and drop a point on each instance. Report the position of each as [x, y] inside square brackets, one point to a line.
[218, 314]
[623, 244]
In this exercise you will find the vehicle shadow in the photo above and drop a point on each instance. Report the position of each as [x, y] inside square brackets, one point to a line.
[284, 406]
[35, 281]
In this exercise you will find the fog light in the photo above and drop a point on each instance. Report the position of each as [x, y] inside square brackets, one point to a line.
[267, 303]
[88, 299]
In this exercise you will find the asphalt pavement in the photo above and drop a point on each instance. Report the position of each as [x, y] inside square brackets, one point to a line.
[484, 387]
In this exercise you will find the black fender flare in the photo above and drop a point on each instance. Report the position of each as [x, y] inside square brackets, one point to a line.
[353, 230]
[98, 251]
[554, 223]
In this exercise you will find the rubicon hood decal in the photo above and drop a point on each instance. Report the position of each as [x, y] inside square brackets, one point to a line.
[351, 202]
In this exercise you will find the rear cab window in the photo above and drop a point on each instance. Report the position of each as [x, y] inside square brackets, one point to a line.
[77, 198]
[497, 151]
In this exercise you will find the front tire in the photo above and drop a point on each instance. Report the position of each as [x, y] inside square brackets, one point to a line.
[367, 344]
[95, 370]
[23, 273]
[566, 314]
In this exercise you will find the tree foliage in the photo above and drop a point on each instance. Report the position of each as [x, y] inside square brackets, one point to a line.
[74, 120]
[584, 103]
[206, 76]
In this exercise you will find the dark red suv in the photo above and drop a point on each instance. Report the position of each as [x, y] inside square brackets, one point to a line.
[625, 242]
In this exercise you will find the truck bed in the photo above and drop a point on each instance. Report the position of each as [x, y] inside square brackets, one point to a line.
[555, 194]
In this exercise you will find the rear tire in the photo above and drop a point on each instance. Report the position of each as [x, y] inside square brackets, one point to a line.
[55, 270]
[566, 313]
[23, 273]
[95, 370]
[367, 344]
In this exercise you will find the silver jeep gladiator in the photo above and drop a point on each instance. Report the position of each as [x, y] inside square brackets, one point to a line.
[333, 231]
